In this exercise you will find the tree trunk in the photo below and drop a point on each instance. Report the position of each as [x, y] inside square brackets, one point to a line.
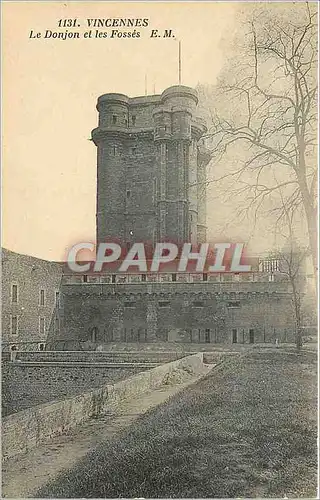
[313, 238]
[311, 214]
[297, 313]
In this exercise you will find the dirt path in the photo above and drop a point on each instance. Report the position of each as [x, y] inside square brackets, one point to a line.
[22, 477]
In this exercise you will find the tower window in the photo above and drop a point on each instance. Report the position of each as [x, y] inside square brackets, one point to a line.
[56, 324]
[14, 325]
[41, 297]
[57, 299]
[85, 278]
[114, 150]
[128, 193]
[114, 119]
[134, 120]
[14, 293]
[134, 150]
[42, 326]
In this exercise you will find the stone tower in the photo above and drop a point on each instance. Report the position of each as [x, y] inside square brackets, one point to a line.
[151, 170]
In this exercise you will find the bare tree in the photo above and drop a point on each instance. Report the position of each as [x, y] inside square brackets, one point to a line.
[291, 263]
[272, 111]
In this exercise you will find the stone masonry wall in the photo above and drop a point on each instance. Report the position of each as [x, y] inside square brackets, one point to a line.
[131, 206]
[26, 429]
[26, 386]
[29, 275]
[178, 312]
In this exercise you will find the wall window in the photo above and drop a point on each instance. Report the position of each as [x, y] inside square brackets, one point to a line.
[236, 303]
[114, 150]
[42, 326]
[14, 293]
[129, 304]
[42, 297]
[198, 303]
[14, 325]
[134, 120]
[85, 278]
[207, 335]
[164, 303]
[251, 336]
[205, 277]
[128, 193]
[174, 277]
[134, 151]
[57, 299]
[114, 119]
[234, 336]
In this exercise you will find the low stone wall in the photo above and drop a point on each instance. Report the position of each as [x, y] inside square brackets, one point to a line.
[215, 357]
[101, 357]
[26, 429]
[25, 386]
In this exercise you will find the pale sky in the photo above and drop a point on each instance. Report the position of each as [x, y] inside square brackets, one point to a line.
[50, 88]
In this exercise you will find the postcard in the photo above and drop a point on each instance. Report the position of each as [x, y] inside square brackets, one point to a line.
[159, 249]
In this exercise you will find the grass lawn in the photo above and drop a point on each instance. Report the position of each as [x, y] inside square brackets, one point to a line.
[246, 430]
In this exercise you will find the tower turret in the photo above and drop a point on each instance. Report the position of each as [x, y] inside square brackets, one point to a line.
[148, 167]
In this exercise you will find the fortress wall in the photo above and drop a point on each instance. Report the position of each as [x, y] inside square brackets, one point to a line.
[29, 428]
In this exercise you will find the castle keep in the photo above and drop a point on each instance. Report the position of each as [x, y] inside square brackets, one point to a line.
[151, 168]
[151, 174]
